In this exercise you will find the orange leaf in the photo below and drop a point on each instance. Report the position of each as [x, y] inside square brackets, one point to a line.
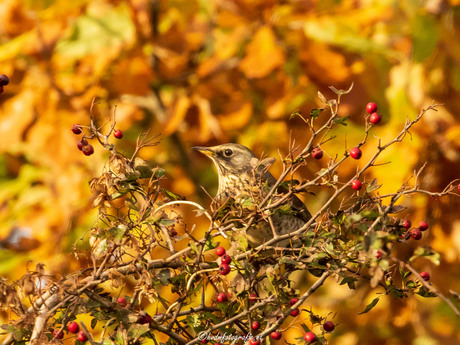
[180, 109]
[263, 54]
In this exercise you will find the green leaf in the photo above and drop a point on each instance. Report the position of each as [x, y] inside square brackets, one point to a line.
[425, 292]
[341, 120]
[314, 113]
[93, 323]
[370, 306]
[428, 253]
[350, 281]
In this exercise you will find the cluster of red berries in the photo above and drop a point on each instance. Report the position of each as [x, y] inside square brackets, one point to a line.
[4, 80]
[225, 260]
[83, 144]
[374, 117]
[74, 328]
[415, 233]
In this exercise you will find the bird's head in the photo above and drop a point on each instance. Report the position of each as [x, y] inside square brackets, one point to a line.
[230, 159]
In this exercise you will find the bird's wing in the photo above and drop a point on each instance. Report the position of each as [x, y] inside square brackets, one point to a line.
[298, 207]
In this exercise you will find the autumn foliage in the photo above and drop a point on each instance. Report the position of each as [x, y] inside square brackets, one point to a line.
[174, 74]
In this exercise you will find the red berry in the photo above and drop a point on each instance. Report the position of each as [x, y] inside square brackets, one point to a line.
[144, 319]
[58, 334]
[254, 342]
[81, 143]
[458, 187]
[204, 341]
[355, 153]
[378, 254]
[328, 326]
[76, 129]
[118, 134]
[425, 276]
[293, 301]
[4, 80]
[275, 335]
[371, 107]
[221, 297]
[253, 297]
[407, 224]
[255, 325]
[295, 312]
[220, 251]
[87, 150]
[375, 118]
[416, 234]
[309, 337]
[317, 153]
[82, 337]
[356, 185]
[226, 259]
[122, 301]
[423, 226]
[1, 89]
[73, 327]
[224, 269]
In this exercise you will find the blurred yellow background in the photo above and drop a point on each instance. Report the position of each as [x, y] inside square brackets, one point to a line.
[204, 72]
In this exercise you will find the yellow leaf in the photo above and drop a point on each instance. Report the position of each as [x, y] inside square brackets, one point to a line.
[263, 54]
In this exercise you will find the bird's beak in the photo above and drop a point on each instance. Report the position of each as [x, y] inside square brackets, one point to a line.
[204, 150]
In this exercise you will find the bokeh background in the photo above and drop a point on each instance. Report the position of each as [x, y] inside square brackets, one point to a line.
[204, 72]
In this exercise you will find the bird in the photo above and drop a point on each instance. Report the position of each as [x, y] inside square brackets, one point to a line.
[242, 177]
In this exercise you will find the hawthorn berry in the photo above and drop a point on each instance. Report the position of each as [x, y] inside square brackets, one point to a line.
[356, 153]
[356, 184]
[224, 269]
[118, 134]
[317, 153]
[122, 301]
[423, 226]
[255, 325]
[87, 150]
[378, 254]
[328, 326]
[226, 259]
[73, 327]
[375, 118]
[82, 336]
[222, 297]
[204, 341]
[275, 335]
[309, 337]
[416, 234]
[220, 251]
[295, 312]
[425, 276]
[458, 187]
[58, 334]
[81, 143]
[4, 80]
[254, 342]
[144, 319]
[253, 297]
[293, 301]
[76, 129]
[371, 107]
[407, 224]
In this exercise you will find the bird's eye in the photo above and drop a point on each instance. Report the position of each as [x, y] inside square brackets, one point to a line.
[228, 152]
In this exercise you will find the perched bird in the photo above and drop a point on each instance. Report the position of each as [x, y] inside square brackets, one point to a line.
[243, 177]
